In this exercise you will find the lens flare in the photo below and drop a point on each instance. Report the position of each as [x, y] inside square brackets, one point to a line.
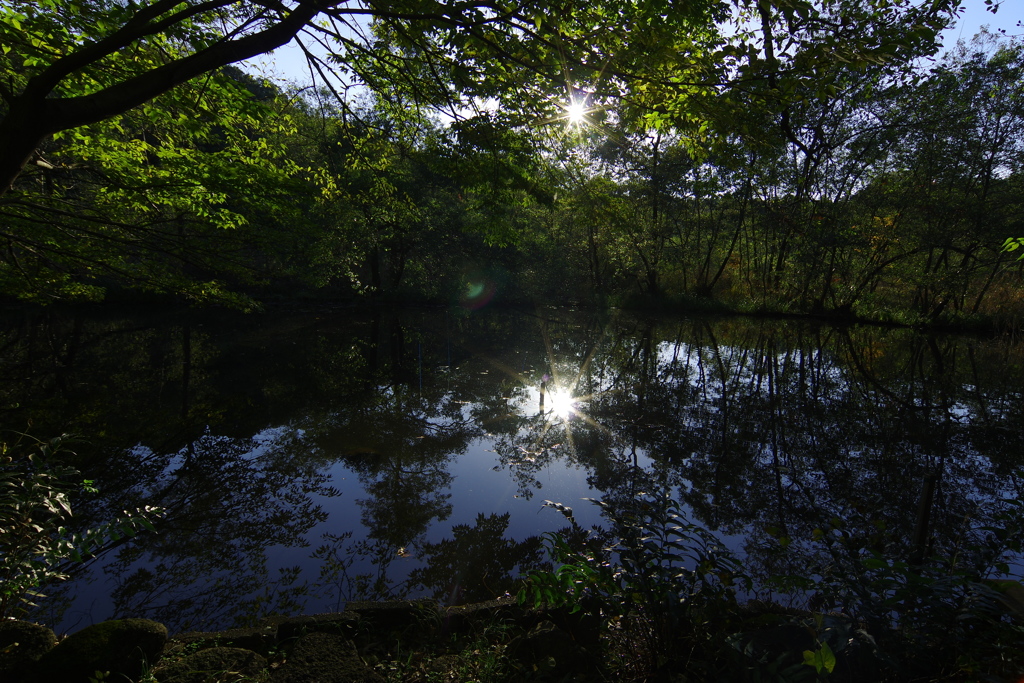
[477, 293]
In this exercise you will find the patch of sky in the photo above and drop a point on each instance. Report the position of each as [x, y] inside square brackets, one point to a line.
[976, 15]
[963, 413]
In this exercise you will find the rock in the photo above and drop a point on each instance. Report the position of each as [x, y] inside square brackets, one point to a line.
[343, 623]
[324, 658]
[260, 639]
[463, 618]
[123, 647]
[215, 665]
[21, 645]
[396, 615]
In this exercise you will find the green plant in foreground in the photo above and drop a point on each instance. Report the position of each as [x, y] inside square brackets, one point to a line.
[665, 587]
[953, 614]
[36, 547]
[666, 592]
[478, 658]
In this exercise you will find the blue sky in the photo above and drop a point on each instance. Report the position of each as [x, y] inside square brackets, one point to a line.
[974, 16]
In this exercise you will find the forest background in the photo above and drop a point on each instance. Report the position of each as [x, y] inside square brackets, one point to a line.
[782, 155]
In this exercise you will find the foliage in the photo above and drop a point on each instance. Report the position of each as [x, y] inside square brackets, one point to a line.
[72, 65]
[66, 66]
[668, 591]
[185, 195]
[834, 175]
[1013, 244]
[891, 199]
[482, 656]
[665, 586]
[35, 504]
[942, 615]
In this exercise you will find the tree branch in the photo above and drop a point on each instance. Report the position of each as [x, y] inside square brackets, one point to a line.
[34, 115]
[134, 29]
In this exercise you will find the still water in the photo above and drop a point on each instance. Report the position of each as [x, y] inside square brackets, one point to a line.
[311, 458]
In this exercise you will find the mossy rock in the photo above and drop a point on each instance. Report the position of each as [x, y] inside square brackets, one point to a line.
[21, 645]
[325, 658]
[396, 616]
[340, 623]
[261, 639]
[465, 618]
[123, 647]
[215, 664]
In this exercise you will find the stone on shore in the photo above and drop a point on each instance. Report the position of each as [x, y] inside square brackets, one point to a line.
[22, 644]
[325, 658]
[123, 647]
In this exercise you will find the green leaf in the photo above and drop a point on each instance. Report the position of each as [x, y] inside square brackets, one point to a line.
[828, 658]
[822, 660]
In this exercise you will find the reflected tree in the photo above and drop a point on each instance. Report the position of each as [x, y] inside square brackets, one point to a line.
[477, 563]
[227, 501]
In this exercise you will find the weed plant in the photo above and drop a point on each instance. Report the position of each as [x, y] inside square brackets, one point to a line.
[667, 592]
[482, 657]
[940, 617]
[36, 548]
[665, 588]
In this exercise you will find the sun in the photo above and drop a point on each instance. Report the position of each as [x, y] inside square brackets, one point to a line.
[576, 113]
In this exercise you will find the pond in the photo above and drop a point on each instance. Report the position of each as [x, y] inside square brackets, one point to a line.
[311, 458]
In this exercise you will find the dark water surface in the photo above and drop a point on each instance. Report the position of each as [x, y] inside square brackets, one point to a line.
[312, 458]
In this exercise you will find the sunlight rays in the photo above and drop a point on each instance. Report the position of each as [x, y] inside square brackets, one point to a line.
[576, 115]
[566, 405]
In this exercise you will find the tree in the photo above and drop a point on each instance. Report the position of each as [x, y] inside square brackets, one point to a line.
[120, 165]
[108, 105]
[954, 178]
[187, 194]
[68, 64]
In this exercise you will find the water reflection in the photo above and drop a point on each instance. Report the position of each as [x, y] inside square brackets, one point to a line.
[306, 460]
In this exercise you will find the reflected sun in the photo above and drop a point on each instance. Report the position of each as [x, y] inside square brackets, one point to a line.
[562, 404]
[557, 405]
